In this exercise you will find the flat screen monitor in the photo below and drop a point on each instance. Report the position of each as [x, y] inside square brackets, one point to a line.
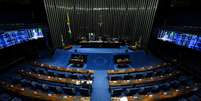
[181, 39]
[198, 44]
[11, 38]
[165, 36]
[192, 41]
[35, 33]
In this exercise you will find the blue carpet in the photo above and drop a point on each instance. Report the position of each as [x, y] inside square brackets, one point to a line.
[60, 58]
[139, 59]
[101, 60]
[100, 86]
[122, 49]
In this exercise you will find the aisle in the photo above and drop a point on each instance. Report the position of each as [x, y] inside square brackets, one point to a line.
[100, 86]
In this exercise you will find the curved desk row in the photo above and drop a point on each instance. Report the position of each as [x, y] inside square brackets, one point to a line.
[143, 81]
[62, 69]
[142, 69]
[173, 93]
[18, 89]
[55, 79]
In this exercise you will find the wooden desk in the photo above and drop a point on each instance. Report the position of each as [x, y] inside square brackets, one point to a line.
[100, 44]
[160, 95]
[54, 79]
[63, 69]
[18, 89]
[142, 81]
[133, 70]
[77, 60]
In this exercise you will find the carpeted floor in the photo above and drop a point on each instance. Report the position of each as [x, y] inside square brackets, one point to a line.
[100, 86]
[101, 60]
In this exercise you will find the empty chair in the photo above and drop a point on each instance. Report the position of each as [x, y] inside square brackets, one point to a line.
[38, 86]
[168, 70]
[85, 85]
[149, 74]
[174, 84]
[164, 87]
[138, 76]
[51, 73]
[59, 89]
[122, 87]
[16, 99]
[25, 83]
[128, 77]
[154, 89]
[74, 76]
[86, 77]
[182, 78]
[5, 97]
[142, 91]
[34, 70]
[40, 71]
[189, 82]
[115, 77]
[182, 99]
[52, 89]
[163, 71]
[157, 73]
[117, 92]
[84, 92]
[147, 89]
[193, 98]
[44, 87]
[198, 93]
[133, 91]
[61, 75]
[16, 80]
[34, 85]
[68, 91]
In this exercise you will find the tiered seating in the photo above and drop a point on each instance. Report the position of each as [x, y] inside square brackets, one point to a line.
[52, 83]
[39, 94]
[159, 82]
[122, 61]
[4, 96]
[62, 69]
[143, 81]
[141, 74]
[62, 72]
[77, 60]
[162, 95]
[141, 69]
[54, 78]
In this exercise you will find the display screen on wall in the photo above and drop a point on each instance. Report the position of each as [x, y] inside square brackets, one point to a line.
[11, 38]
[183, 39]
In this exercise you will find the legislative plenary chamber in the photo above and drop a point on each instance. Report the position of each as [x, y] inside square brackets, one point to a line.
[100, 50]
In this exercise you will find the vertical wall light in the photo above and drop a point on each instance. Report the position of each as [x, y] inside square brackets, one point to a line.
[129, 19]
